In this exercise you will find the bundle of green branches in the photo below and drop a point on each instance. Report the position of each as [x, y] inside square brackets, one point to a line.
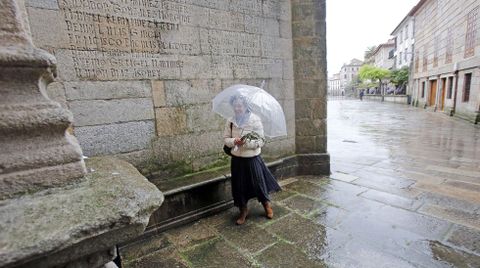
[251, 136]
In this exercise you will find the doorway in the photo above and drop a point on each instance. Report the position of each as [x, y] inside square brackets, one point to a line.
[433, 93]
[444, 88]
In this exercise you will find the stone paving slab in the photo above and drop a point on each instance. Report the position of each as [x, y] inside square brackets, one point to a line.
[401, 194]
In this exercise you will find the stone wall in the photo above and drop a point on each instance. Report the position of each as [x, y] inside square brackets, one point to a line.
[402, 99]
[138, 76]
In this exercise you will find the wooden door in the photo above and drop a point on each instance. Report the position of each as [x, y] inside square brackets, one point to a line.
[444, 89]
[433, 92]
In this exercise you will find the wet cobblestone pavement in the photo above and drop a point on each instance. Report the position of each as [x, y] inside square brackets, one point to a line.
[404, 192]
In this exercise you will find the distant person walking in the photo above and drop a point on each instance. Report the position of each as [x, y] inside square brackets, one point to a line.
[361, 94]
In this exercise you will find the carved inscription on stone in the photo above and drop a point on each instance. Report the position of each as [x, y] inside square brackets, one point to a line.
[144, 39]
[126, 39]
[101, 65]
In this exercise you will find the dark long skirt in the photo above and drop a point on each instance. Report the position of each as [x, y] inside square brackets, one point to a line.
[251, 179]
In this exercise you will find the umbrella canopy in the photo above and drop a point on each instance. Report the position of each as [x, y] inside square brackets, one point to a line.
[260, 103]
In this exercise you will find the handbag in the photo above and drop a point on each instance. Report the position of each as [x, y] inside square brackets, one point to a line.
[227, 149]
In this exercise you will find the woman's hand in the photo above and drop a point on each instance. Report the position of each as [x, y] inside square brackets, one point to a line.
[238, 142]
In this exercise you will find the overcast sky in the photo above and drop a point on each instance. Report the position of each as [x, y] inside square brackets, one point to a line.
[353, 25]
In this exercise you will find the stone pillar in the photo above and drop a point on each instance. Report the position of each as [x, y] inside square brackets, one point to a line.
[36, 152]
[80, 219]
[310, 73]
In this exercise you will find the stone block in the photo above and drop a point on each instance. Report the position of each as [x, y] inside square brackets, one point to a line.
[311, 144]
[252, 67]
[285, 28]
[276, 88]
[302, 28]
[199, 145]
[46, 4]
[289, 88]
[106, 90]
[303, 12]
[261, 25]
[43, 36]
[315, 108]
[171, 121]
[222, 67]
[217, 42]
[90, 64]
[304, 144]
[196, 67]
[96, 112]
[111, 205]
[201, 118]
[158, 93]
[191, 91]
[115, 138]
[226, 20]
[140, 159]
[56, 92]
[320, 144]
[311, 88]
[309, 127]
[215, 251]
[289, 110]
[65, 69]
[288, 70]
[285, 10]
[274, 149]
[246, 81]
[184, 40]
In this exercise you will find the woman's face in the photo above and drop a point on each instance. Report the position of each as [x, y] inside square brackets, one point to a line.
[239, 107]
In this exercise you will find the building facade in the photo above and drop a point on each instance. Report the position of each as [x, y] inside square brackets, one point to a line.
[404, 42]
[446, 74]
[334, 86]
[383, 57]
[349, 72]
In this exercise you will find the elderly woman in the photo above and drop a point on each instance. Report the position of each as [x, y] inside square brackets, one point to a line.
[250, 177]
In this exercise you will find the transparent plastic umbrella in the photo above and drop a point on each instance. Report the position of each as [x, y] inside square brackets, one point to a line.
[260, 103]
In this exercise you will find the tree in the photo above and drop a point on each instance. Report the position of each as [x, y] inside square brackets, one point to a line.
[368, 56]
[374, 74]
[400, 77]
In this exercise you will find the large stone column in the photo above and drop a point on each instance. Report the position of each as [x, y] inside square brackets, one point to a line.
[81, 217]
[36, 152]
[310, 72]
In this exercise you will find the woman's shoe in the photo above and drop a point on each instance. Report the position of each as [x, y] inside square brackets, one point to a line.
[243, 215]
[268, 210]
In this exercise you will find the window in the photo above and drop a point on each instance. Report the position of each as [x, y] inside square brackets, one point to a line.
[406, 31]
[345, 76]
[466, 87]
[417, 61]
[436, 48]
[449, 46]
[471, 33]
[423, 89]
[400, 58]
[425, 58]
[449, 87]
[405, 55]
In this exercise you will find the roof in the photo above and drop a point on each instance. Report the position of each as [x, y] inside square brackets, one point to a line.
[401, 24]
[390, 43]
[417, 7]
[353, 62]
[411, 13]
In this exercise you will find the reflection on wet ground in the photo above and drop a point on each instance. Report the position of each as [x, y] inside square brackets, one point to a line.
[404, 192]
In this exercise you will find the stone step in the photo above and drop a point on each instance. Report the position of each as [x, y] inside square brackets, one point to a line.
[198, 195]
